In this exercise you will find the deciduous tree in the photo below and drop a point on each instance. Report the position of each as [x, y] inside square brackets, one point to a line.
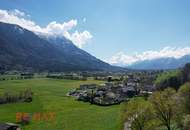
[163, 103]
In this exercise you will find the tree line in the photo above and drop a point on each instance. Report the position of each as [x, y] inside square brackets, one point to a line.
[22, 96]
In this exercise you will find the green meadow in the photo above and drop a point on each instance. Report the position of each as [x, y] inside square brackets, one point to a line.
[50, 96]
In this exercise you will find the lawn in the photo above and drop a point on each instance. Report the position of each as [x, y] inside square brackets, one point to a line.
[50, 96]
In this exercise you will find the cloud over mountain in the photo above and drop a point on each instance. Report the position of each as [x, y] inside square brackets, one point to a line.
[123, 59]
[52, 29]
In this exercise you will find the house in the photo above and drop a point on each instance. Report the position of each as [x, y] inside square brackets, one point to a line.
[27, 75]
[9, 126]
[149, 88]
[130, 92]
[88, 86]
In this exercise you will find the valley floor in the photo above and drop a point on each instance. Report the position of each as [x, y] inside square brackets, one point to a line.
[50, 96]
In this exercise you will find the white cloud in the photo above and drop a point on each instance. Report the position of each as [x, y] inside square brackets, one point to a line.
[17, 12]
[80, 38]
[16, 18]
[123, 59]
[60, 29]
[52, 29]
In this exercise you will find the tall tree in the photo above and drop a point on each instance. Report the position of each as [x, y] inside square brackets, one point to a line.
[163, 104]
[184, 98]
[138, 114]
[186, 73]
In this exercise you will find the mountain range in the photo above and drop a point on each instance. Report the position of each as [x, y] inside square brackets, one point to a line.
[161, 63]
[23, 50]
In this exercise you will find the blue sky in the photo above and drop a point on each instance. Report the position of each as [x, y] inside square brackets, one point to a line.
[126, 26]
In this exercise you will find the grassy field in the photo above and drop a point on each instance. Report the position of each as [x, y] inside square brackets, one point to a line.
[50, 96]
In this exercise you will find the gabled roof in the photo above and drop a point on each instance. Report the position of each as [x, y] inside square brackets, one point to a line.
[8, 126]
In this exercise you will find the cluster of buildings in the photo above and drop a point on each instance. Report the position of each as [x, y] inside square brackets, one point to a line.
[113, 91]
[106, 94]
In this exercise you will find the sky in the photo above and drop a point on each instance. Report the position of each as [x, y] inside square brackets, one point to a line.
[117, 31]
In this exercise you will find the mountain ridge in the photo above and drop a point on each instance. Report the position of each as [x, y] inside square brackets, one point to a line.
[161, 63]
[22, 49]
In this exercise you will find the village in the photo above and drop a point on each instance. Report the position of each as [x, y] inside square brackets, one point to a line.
[114, 90]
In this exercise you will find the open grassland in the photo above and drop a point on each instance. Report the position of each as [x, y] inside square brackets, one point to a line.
[50, 96]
